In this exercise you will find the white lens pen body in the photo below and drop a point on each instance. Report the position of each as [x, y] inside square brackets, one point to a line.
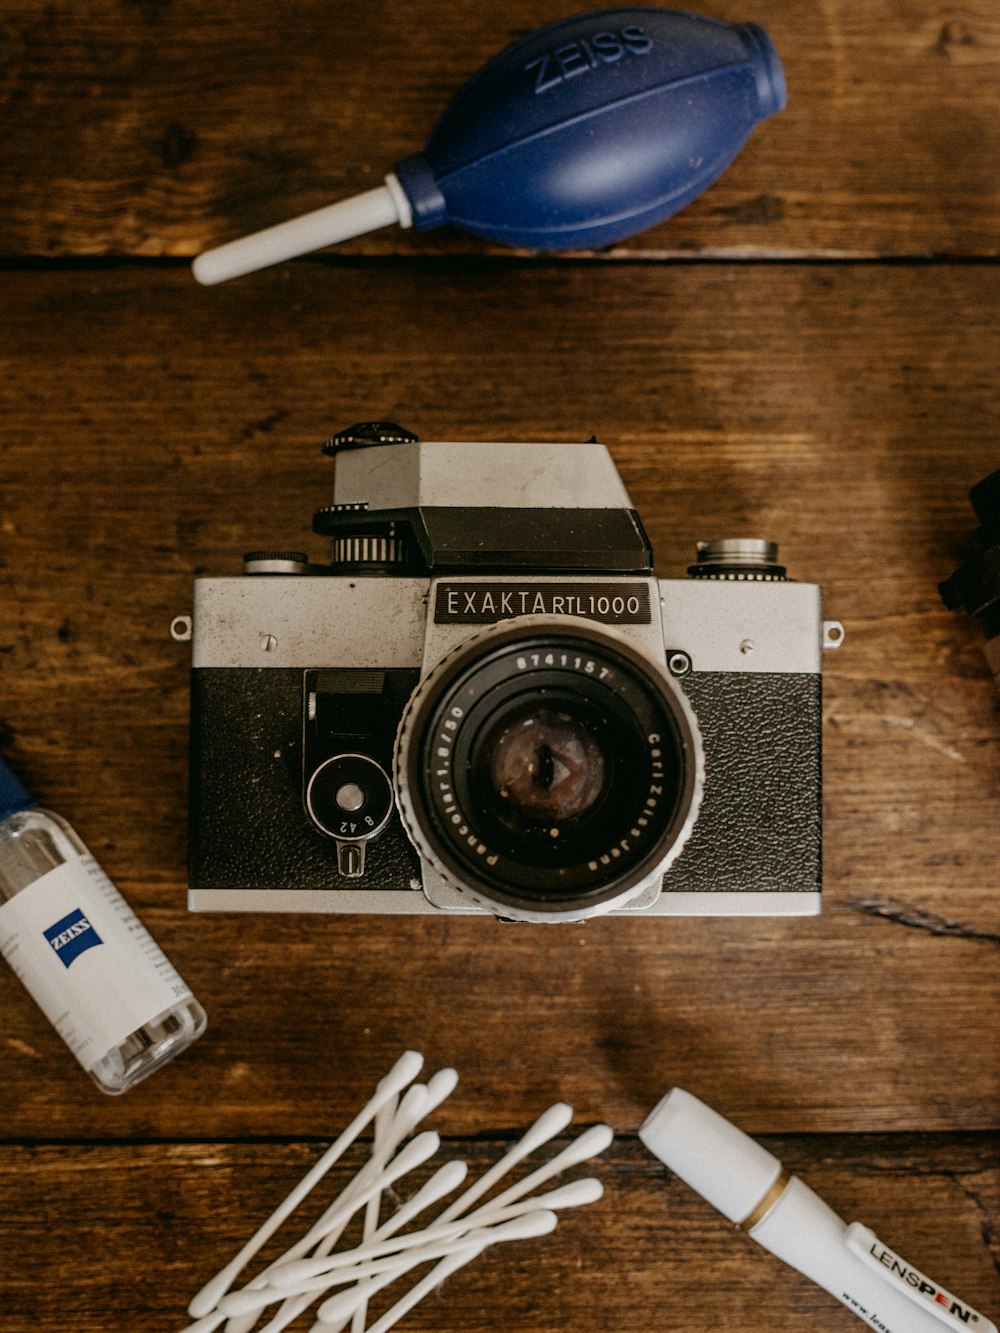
[747, 1183]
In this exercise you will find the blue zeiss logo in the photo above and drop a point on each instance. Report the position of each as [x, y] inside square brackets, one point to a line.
[72, 936]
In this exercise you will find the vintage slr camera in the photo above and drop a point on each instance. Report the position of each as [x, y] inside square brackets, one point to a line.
[486, 702]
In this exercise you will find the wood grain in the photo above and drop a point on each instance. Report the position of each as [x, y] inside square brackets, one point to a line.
[160, 127]
[155, 431]
[147, 1225]
[835, 402]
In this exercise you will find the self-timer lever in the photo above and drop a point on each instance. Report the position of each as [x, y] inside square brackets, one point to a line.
[586, 132]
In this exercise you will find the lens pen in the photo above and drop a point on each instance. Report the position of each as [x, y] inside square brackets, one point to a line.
[749, 1185]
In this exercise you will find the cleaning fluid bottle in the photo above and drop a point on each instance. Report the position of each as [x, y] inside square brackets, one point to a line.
[92, 967]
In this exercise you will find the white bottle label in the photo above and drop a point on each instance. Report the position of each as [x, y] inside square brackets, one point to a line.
[91, 965]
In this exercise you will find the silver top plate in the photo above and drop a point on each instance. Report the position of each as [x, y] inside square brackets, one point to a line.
[474, 475]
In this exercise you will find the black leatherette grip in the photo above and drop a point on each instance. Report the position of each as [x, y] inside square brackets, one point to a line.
[248, 829]
[760, 824]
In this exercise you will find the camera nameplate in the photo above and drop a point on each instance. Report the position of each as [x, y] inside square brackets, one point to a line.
[467, 602]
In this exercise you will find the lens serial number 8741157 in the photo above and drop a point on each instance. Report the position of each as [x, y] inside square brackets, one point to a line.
[587, 665]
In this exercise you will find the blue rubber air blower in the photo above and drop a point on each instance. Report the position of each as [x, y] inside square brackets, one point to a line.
[588, 131]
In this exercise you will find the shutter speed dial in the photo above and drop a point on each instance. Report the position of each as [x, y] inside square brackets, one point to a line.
[349, 798]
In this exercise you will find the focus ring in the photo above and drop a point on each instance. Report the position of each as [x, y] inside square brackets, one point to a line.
[580, 889]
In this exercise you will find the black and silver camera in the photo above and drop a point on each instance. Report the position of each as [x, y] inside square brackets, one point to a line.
[486, 702]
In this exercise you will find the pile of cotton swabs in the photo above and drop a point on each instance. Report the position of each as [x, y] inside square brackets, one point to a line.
[386, 1252]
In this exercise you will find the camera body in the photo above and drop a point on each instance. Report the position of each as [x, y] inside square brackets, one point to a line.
[487, 702]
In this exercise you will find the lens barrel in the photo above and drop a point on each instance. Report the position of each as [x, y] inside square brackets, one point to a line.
[548, 769]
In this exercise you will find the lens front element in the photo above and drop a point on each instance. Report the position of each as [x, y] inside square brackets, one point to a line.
[545, 768]
[548, 768]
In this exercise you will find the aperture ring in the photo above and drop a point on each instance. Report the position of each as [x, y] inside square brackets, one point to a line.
[621, 875]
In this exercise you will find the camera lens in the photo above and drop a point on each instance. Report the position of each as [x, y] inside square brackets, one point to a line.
[548, 768]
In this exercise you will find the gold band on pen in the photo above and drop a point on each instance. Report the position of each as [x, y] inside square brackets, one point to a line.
[767, 1203]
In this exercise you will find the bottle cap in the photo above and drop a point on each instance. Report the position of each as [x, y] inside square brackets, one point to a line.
[724, 1165]
[13, 796]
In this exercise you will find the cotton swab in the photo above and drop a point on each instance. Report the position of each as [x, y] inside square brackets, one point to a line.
[546, 1127]
[330, 1317]
[392, 1124]
[413, 1155]
[207, 1323]
[366, 1278]
[376, 1257]
[409, 1114]
[408, 1159]
[538, 1223]
[364, 1262]
[356, 1275]
[578, 1192]
[591, 1143]
[369, 1227]
[385, 1253]
[403, 1072]
[328, 1230]
[550, 1124]
[372, 1211]
[365, 1281]
[418, 1102]
[445, 1179]
[404, 1111]
[416, 1294]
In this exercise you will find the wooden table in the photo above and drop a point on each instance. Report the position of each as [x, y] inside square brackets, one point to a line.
[809, 352]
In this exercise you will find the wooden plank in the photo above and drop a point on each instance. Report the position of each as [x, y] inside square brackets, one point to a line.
[158, 129]
[154, 431]
[147, 1226]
